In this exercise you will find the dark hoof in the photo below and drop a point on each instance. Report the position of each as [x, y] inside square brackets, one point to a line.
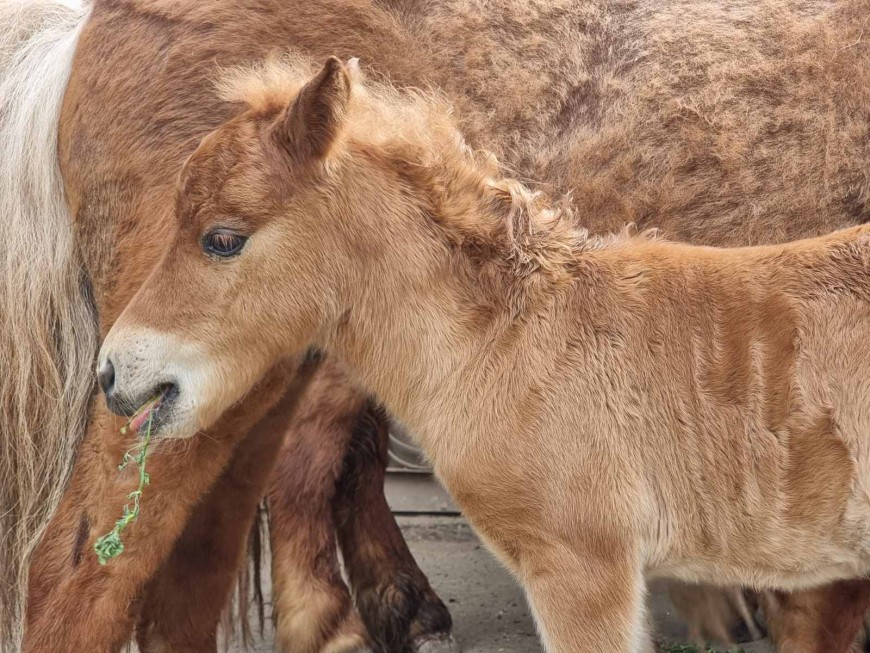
[436, 644]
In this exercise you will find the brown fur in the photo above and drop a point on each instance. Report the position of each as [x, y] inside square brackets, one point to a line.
[313, 608]
[489, 304]
[394, 599]
[204, 552]
[308, 591]
[666, 128]
[58, 588]
[328, 490]
[107, 228]
[818, 620]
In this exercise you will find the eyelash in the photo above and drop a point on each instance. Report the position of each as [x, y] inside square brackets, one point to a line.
[223, 243]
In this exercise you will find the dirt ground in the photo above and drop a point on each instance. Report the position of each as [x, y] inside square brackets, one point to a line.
[489, 612]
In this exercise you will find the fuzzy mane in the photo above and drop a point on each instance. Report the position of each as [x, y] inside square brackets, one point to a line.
[479, 208]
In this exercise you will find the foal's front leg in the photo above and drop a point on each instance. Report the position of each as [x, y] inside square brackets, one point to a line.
[586, 602]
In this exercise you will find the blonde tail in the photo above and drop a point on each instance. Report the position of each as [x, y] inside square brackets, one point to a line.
[48, 331]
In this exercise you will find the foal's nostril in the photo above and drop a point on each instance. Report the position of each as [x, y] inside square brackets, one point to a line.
[106, 377]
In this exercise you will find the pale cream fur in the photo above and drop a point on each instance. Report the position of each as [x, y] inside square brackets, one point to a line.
[48, 332]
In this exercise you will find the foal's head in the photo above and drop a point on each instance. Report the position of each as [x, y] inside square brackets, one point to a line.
[276, 212]
[317, 195]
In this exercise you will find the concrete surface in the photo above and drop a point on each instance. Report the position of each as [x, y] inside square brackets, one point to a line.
[489, 612]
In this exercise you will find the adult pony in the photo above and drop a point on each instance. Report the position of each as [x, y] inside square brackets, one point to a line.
[568, 389]
[53, 292]
[721, 124]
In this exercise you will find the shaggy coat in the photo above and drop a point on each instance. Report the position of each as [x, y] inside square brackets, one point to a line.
[723, 123]
[603, 409]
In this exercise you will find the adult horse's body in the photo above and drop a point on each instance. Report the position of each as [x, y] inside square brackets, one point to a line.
[720, 124]
[62, 274]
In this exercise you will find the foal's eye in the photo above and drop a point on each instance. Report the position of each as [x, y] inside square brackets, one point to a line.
[224, 243]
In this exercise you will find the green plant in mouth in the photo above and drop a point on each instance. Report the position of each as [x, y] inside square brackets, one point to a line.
[688, 648]
[110, 545]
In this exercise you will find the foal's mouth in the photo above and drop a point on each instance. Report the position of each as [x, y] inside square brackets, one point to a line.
[153, 412]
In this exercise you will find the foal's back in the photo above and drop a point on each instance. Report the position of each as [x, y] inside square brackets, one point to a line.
[729, 388]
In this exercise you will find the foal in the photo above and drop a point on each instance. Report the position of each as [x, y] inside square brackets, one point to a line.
[604, 410]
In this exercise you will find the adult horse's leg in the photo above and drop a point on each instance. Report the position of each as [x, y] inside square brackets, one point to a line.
[313, 607]
[75, 603]
[725, 615]
[334, 462]
[395, 600]
[823, 620]
[183, 604]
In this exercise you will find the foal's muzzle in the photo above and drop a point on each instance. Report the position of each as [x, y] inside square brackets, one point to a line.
[126, 404]
[130, 381]
[175, 383]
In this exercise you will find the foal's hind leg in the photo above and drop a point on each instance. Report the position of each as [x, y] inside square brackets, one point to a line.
[721, 614]
[394, 598]
[313, 607]
[183, 604]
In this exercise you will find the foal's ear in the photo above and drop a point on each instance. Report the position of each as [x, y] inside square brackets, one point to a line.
[313, 122]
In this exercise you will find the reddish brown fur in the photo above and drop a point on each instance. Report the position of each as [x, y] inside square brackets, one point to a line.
[677, 161]
[328, 489]
[58, 588]
[177, 617]
[818, 620]
[313, 608]
[117, 263]
[393, 596]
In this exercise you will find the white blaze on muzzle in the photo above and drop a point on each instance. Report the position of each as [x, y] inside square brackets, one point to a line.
[137, 364]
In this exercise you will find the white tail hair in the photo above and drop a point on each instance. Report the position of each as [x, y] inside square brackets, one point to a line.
[48, 331]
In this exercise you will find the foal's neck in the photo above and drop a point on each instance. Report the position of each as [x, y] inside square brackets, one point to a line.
[411, 351]
[426, 331]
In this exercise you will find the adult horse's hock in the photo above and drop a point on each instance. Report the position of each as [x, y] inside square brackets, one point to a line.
[570, 390]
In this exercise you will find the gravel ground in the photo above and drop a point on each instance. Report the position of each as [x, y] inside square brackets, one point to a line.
[489, 612]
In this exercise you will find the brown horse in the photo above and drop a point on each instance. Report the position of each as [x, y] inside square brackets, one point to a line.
[50, 334]
[568, 388]
[654, 120]
[328, 489]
